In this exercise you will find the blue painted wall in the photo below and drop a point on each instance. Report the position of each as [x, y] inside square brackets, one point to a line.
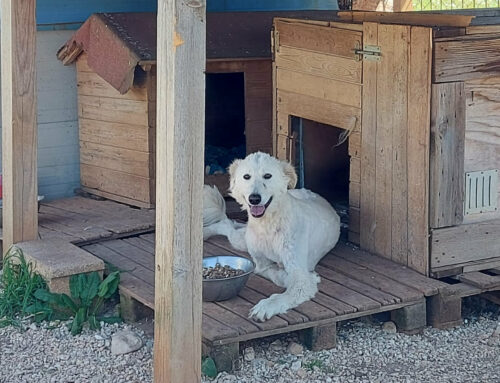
[50, 12]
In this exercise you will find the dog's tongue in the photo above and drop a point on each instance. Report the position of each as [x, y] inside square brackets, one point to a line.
[257, 210]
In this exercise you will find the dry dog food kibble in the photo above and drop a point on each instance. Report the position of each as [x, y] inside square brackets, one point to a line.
[220, 272]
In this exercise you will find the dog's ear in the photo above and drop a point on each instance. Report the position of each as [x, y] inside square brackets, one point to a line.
[290, 173]
[232, 170]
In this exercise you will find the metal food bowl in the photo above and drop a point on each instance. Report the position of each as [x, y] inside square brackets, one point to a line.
[226, 288]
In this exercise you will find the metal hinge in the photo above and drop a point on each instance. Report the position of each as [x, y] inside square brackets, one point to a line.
[369, 53]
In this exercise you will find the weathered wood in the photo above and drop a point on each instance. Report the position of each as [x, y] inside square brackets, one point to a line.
[132, 310]
[480, 29]
[113, 110]
[318, 109]
[354, 194]
[465, 243]
[466, 57]
[481, 280]
[319, 64]
[226, 357]
[323, 88]
[320, 337]
[355, 170]
[444, 311]
[368, 143]
[419, 100]
[180, 168]
[19, 122]
[407, 18]
[410, 319]
[447, 155]
[335, 41]
[354, 223]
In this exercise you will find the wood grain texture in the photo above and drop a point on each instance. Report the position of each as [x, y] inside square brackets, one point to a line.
[113, 110]
[419, 100]
[482, 143]
[19, 122]
[368, 143]
[466, 57]
[318, 109]
[408, 18]
[319, 64]
[447, 154]
[180, 168]
[335, 41]
[465, 243]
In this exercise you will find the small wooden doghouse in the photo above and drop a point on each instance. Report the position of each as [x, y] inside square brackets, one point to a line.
[419, 97]
[115, 56]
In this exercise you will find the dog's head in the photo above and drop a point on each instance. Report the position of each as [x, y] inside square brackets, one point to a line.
[258, 180]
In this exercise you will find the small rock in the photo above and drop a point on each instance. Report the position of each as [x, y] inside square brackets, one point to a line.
[390, 327]
[301, 373]
[295, 348]
[296, 365]
[124, 342]
[276, 346]
[33, 326]
[249, 354]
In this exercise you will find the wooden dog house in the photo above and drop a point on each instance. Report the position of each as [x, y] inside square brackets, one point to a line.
[419, 97]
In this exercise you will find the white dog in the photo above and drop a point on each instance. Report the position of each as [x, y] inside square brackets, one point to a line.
[288, 231]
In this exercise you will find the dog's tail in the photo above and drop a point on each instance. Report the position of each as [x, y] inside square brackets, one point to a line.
[214, 206]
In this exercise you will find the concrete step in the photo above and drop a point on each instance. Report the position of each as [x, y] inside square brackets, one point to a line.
[57, 260]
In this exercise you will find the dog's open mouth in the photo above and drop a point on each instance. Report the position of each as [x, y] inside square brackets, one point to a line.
[258, 211]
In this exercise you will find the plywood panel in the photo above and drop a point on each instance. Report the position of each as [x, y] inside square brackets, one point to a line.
[113, 110]
[447, 154]
[319, 64]
[322, 88]
[336, 41]
[320, 110]
[120, 159]
[419, 100]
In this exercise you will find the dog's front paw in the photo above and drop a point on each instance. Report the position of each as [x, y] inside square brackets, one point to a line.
[269, 307]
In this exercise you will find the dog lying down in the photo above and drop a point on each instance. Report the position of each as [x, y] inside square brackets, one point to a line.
[288, 231]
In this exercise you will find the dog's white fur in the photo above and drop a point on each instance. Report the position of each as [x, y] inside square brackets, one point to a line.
[297, 229]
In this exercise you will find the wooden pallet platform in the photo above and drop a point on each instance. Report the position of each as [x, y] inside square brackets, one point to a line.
[353, 284]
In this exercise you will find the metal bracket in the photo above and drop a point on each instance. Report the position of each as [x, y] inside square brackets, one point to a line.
[369, 53]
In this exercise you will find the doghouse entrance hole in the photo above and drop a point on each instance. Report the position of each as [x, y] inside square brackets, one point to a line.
[322, 164]
[224, 120]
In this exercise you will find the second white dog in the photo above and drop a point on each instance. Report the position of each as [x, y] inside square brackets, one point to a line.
[288, 231]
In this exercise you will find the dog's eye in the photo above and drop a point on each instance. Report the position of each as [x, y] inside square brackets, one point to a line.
[246, 176]
[267, 176]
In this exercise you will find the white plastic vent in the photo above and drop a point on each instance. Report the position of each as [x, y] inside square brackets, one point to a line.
[481, 191]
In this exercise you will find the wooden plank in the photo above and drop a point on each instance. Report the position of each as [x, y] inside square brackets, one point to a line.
[390, 269]
[115, 158]
[399, 66]
[19, 122]
[466, 57]
[82, 64]
[447, 154]
[419, 100]
[91, 84]
[323, 88]
[137, 289]
[283, 147]
[368, 143]
[355, 170]
[141, 243]
[371, 278]
[114, 182]
[465, 243]
[407, 18]
[139, 256]
[481, 280]
[384, 147]
[354, 194]
[133, 137]
[354, 223]
[355, 144]
[336, 41]
[117, 198]
[180, 125]
[319, 64]
[230, 319]
[213, 330]
[334, 304]
[480, 29]
[113, 110]
[367, 291]
[319, 110]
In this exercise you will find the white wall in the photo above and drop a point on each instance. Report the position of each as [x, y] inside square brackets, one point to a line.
[58, 148]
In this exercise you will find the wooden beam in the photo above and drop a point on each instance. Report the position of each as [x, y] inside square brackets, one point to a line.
[19, 127]
[179, 177]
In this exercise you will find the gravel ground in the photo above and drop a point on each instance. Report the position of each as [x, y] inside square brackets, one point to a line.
[366, 352]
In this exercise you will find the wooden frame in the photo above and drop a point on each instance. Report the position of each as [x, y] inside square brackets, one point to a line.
[19, 126]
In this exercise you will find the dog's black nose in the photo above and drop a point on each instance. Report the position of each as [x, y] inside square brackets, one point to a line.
[254, 199]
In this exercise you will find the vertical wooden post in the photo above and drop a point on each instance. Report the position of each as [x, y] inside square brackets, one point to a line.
[179, 185]
[19, 128]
